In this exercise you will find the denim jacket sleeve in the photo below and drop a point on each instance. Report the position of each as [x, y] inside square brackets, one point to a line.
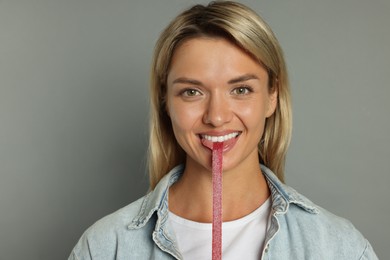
[368, 253]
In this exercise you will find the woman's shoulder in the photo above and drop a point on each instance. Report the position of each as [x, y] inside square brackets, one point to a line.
[321, 220]
[127, 230]
[303, 210]
[109, 233]
[324, 231]
[117, 220]
[303, 214]
[304, 224]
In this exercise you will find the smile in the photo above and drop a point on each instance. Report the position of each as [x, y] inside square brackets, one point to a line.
[219, 139]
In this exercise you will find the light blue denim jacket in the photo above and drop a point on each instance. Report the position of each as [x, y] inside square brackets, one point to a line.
[298, 229]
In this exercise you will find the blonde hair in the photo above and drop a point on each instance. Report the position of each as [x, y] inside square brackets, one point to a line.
[243, 27]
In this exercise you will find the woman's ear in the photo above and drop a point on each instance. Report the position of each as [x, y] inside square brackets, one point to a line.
[164, 104]
[272, 101]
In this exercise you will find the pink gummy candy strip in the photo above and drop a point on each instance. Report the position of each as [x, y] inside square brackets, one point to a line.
[217, 201]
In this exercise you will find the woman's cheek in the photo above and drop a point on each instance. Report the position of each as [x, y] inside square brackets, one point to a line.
[185, 116]
[252, 115]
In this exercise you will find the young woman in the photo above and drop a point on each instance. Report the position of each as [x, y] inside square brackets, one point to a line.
[219, 75]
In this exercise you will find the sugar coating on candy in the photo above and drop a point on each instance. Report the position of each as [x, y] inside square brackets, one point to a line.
[217, 200]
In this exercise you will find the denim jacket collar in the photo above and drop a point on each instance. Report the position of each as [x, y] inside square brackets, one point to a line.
[283, 195]
[157, 200]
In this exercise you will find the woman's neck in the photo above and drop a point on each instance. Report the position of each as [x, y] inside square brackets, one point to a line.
[244, 190]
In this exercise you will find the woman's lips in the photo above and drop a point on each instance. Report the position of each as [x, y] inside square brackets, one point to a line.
[229, 140]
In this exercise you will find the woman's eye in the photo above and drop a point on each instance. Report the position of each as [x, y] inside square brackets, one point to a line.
[190, 92]
[242, 90]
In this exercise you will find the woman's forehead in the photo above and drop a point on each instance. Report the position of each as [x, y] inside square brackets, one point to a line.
[211, 58]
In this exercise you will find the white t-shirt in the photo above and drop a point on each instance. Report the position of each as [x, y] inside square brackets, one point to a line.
[241, 239]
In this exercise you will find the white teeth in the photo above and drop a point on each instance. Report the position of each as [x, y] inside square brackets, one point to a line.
[220, 139]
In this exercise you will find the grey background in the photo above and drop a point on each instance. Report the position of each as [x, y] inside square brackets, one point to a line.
[73, 112]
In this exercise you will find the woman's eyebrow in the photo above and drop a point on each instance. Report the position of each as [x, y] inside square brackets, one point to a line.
[243, 78]
[187, 81]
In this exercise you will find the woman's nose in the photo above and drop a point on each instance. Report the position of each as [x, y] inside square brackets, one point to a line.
[218, 111]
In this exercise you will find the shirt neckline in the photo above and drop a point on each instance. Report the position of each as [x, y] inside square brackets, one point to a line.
[262, 209]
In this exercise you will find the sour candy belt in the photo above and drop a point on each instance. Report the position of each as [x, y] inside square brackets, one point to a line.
[217, 201]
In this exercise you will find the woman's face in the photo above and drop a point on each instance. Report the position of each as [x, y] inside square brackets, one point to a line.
[218, 92]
